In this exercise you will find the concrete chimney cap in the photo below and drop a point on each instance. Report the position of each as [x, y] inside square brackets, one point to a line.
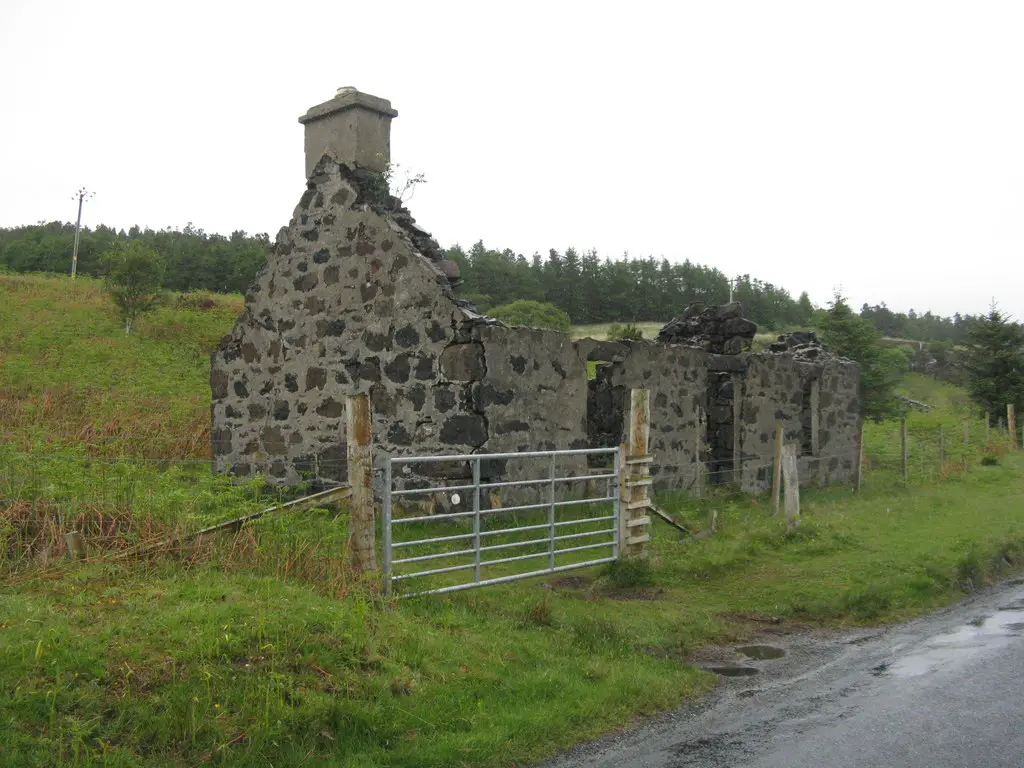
[347, 98]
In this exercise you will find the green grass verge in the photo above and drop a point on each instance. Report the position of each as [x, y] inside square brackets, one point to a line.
[223, 661]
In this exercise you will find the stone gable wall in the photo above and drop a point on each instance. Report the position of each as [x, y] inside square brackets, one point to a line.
[346, 304]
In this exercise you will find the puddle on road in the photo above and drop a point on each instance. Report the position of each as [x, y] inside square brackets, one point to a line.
[980, 634]
[761, 652]
[733, 671]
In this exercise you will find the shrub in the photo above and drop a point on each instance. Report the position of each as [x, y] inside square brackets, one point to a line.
[534, 314]
[627, 332]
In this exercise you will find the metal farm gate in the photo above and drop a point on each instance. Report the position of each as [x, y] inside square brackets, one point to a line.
[463, 536]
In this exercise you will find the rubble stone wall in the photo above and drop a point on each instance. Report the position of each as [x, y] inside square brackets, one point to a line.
[677, 379]
[778, 387]
[349, 304]
[356, 299]
[346, 304]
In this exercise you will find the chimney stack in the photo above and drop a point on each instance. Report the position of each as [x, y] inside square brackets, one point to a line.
[354, 128]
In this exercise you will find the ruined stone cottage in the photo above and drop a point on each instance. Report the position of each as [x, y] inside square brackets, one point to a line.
[355, 298]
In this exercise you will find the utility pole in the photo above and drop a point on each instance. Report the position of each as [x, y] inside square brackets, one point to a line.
[83, 194]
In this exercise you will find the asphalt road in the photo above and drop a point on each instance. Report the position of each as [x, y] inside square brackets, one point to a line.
[943, 691]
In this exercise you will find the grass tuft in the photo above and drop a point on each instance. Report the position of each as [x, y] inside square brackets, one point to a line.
[629, 573]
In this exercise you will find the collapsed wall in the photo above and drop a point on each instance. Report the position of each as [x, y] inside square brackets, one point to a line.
[677, 378]
[713, 416]
[355, 298]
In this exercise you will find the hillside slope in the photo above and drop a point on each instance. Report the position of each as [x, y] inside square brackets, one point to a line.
[71, 377]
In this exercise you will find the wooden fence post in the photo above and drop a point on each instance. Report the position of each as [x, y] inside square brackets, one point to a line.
[359, 432]
[1011, 425]
[635, 485]
[700, 477]
[76, 545]
[777, 469]
[858, 467]
[790, 472]
[904, 463]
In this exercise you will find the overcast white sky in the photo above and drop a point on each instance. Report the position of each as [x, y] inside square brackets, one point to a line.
[876, 146]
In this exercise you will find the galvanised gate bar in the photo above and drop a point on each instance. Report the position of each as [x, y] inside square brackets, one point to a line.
[557, 526]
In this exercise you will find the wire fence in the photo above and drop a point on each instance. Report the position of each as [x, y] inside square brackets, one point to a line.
[120, 501]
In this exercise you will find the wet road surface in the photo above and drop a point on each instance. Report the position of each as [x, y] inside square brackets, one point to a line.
[943, 690]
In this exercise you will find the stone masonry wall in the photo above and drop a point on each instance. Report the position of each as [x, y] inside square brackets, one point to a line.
[534, 394]
[778, 387]
[677, 379]
[695, 430]
[355, 299]
[346, 304]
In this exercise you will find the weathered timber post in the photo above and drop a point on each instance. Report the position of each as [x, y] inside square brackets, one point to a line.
[701, 469]
[777, 469]
[634, 488]
[792, 478]
[76, 545]
[359, 433]
[858, 468]
[904, 463]
[1011, 425]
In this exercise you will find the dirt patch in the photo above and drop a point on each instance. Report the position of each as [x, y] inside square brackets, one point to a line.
[752, 625]
[628, 594]
[571, 582]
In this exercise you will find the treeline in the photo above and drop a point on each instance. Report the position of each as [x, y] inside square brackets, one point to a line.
[194, 259]
[590, 289]
[924, 327]
[595, 290]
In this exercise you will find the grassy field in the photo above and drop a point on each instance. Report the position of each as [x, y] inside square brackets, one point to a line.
[260, 648]
[600, 330]
[70, 376]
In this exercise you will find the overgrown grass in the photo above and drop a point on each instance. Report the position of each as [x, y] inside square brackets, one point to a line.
[71, 377]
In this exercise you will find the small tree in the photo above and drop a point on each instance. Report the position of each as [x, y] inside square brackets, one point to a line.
[995, 362]
[881, 368]
[535, 314]
[627, 332]
[134, 274]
